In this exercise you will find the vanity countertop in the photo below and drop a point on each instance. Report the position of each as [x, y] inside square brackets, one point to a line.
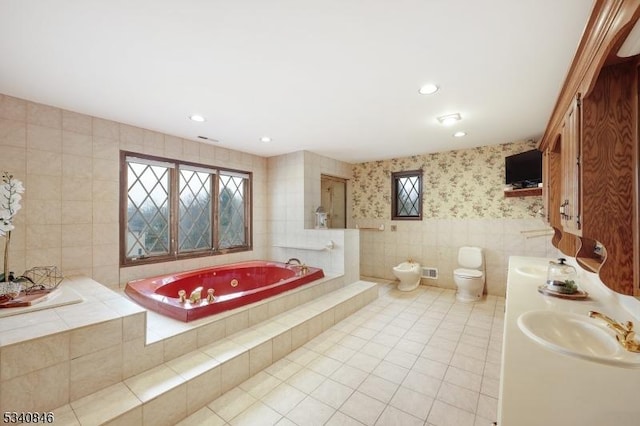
[542, 387]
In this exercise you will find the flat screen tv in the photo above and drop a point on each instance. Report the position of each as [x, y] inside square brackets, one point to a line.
[523, 170]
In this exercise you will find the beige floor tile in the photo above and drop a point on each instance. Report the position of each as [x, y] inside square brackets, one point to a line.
[412, 402]
[332, 393]
[154, 382]
[490, 387]
[302, 356]
[339, 352]
[324, 365]
[341, 419]
[457, 396]
[471, 351]
[391, 416]
[375, 350]
[401, 358]
[378, 388]
[192, 364]
[167, 409]
[232, 403]
[260, 384]
[306, 380]
[285, 422]
[258, 414]
[487, 407]
[430, 367]
[349, 376]
[391, 372]
[422, 383]
[203, 417]
[353, 342]
[363, 408]
[463, 378]
[442, 414]
[310, 412]
[100, 407]
[467, 363]
[284, 398]
[364, 362]
[64, 416]
[410, 347]
[283, 369]
[437, 354]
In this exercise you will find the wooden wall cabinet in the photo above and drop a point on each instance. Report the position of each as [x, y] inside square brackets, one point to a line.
[591, 153]
[570, 157]
[553, 161]
[608, 174]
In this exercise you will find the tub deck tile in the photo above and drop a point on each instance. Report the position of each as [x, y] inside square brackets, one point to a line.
[227, 361]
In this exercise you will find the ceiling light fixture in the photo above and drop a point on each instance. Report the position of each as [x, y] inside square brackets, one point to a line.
[448, 120]
[206, 138]
[428, 89]
[197, 117]
[265, 139]
[459, 134]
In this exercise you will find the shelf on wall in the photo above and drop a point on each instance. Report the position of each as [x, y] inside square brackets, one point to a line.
[524, 192]
[589, 263]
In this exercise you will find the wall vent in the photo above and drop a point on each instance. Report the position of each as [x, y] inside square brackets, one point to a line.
[431, 273]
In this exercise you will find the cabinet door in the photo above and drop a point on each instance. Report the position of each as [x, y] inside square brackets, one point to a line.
[570, 206]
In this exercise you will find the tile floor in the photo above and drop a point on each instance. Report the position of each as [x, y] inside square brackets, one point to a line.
[405, 359]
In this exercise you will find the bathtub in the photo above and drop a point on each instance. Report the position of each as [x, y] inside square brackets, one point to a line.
[234, 285]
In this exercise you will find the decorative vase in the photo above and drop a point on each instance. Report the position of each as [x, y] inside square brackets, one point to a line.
[11, 289]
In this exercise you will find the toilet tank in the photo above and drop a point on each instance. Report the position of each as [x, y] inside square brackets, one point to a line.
[470, 257]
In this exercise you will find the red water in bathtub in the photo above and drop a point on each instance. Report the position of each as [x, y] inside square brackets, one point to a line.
[234, 285]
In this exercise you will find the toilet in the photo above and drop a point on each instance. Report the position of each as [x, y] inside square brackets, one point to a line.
[469, 277]
[409, 275]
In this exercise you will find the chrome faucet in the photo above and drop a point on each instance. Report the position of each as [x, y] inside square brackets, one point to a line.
[293, 259]
[624, 332]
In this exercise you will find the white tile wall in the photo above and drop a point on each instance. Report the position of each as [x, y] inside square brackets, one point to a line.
[435, 243]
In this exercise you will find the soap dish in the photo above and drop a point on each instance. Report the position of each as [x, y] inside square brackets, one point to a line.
[578, 295]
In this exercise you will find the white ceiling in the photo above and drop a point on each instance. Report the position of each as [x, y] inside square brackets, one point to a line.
[336, 77]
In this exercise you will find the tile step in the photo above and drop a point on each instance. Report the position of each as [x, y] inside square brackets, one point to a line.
[177, 388]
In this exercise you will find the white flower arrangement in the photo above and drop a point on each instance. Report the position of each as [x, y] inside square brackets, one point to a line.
[10, 197]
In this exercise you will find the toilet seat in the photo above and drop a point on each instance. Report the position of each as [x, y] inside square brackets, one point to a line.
[467, 273]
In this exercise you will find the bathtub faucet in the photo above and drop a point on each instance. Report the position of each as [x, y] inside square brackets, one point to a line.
[196, 295]
[302, 268]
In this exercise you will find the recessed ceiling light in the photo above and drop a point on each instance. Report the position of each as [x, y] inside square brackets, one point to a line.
[197, 117]
[428, 89]
[265, 139]
[459, 134]
[207, 138]
[448, 120]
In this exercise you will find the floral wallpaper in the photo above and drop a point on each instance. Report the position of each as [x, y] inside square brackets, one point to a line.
[460, 184]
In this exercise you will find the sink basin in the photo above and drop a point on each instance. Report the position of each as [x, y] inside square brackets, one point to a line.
[576, 335]
[532, 271]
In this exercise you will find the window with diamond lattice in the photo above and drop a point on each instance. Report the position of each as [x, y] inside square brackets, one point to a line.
[406, 195]
[173, 210]
[194, 227]
[231, 213]
[147, 209]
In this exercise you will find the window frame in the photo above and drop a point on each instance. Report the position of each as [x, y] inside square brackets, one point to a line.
[395, 177]
[174, 205]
